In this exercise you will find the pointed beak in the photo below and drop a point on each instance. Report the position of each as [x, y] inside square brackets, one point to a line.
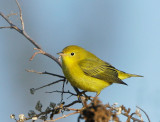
[60, 53]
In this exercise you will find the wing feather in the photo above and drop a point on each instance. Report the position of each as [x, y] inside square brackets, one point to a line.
[101, 70]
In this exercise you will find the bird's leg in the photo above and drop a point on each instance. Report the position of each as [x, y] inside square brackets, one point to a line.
[94, 98]
[81, 93]
[87, 97]
[97, 95]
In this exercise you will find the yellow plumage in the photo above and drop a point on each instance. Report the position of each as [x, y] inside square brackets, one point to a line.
[86, 71]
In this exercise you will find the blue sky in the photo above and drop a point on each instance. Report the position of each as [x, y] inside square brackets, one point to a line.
[124, 33]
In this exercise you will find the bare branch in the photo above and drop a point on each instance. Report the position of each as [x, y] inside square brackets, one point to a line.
[48, 73]
[62, 91]
[19, 30]
[53, 58]
[6, 27]
[51, 83]
[68, 92]
[144, 113]
[11, 14]
[32, 90]
[39, 52]
[64, 116]
[20, 14]
[6, 18]
[74, 102]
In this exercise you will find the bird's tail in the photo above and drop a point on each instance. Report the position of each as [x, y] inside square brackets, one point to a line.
[122, 75]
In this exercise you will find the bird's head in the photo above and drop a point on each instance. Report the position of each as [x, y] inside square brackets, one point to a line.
[73, 53]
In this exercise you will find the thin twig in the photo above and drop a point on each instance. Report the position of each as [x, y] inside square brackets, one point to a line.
[6, 18]
[74, 102]
[144, 113]
[125, 114]
[74, 109]
[64, 116]
[5, 27]
[60, 76]
[11, 14]
[20, 14]
[63, 92]
[135, 119]
[45, 72]
[50, 84]
[54, 58]
[40, 51]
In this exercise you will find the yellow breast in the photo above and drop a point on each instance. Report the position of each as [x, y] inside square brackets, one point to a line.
[77, 78]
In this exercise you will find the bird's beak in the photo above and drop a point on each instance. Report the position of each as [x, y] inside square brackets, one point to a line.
[60, 53]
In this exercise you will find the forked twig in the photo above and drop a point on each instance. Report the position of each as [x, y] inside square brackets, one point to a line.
[40, 51]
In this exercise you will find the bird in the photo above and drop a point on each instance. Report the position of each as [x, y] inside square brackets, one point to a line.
[87, 72]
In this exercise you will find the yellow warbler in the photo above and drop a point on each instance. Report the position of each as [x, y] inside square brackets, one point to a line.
[86, 71]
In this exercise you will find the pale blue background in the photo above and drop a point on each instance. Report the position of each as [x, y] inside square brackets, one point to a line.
[125, 33]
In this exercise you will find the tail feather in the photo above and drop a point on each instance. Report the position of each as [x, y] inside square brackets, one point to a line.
[133, 75]
[122, 75]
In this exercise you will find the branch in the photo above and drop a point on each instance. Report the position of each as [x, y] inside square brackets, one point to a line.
[63, 92]
[5, 27]
[144, 113]
[12, 26]
[74, 102]
[48, 73]
[6, 18]
[64, 116]
[32, 90]
[11, 14]
[40, 51]
[126, 113]
[20, 14]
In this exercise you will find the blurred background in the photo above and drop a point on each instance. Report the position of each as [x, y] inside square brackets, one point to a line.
[124, 33]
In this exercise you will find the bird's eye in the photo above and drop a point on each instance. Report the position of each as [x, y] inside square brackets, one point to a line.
[72, 54]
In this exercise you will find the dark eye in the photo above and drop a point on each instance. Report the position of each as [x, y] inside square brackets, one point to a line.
[72, 54]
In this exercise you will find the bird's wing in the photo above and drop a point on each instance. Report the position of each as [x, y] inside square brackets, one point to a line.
[100, 70]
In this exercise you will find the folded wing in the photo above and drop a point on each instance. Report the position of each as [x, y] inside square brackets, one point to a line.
[100, 70]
